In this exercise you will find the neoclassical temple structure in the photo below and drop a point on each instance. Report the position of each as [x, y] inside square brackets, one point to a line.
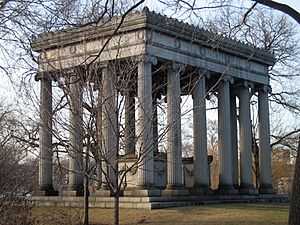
[168, 59]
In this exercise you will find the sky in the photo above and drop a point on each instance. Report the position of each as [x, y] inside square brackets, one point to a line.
[293, 3]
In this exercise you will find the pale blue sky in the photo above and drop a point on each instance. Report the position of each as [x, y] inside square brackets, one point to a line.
[293, 3]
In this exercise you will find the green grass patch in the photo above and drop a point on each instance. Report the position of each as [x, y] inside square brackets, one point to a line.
[227, 214]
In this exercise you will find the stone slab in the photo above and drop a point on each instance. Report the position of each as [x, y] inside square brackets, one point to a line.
[200, 192]
[142, 193]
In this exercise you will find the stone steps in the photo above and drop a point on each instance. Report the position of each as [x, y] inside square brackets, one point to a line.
[154, 202]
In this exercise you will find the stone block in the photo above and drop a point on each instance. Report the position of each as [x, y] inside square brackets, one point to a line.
[175, 192]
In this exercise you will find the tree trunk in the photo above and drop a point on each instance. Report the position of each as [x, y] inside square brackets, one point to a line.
[86, 188]
[116, 207]
[86, 200]
[294, 216]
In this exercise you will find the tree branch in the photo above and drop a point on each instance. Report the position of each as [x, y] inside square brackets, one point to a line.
[281, 7]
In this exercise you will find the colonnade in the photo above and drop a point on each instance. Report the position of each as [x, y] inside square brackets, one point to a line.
[235, 174]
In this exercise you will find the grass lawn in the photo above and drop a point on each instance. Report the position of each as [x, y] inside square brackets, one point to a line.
[228, 214]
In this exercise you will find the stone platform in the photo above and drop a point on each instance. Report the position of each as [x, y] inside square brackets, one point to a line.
[154, 202]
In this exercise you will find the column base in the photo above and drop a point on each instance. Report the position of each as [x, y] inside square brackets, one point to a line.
[175, 191]
[102, 193]
[267, 191]
[142, 192]
[248, 191]
[200, 191]
[226, 190]
[73, 193]
[49, 192]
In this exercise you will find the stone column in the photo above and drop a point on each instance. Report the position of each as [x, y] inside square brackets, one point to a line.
[45, 131]
[155, 125]
[98, 153]
[201, 176]
[145, 127]
[129, 122]
[75, 186]
[109, 127]
[246, 186]
[174, 157]
[224, 143]
[265, 186]
[234, 143]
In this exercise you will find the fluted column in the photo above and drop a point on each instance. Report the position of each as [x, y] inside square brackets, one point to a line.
[201, 176]
[76, 136]
[234, 143]
[144, 123]
[129, 122]
[155, 125]
[224, 133]
[265, 177]
[174, 161]
[246, 186]
[109, 126]
[45, 132]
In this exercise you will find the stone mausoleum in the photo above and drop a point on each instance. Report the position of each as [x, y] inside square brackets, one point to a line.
[169, 59]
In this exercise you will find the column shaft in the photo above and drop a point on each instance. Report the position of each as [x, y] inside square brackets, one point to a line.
[174, 160]
[201, 176]
[109, 127]
[45, 131]
[76, 135]
[129, 122]
[264, 142]
[245, 138]
[224, 133]
[98, 152]
[233, 119]
[155, 125]
[144, 124]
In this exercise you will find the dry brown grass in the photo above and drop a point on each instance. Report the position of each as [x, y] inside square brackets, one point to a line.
[233, 214]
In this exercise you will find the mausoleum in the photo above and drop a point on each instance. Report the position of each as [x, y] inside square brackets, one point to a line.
[168, 59]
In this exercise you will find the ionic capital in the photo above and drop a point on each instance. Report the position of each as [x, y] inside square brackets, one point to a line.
[228, 79]
[265, 88]
[245, 84]
[203, 73]
[43, 76]
[147, 59]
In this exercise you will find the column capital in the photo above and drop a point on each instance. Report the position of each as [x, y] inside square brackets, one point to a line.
[203, 72]
[245, 84]
[44, 75]
[147, 59]
[265, 88]
[228, 79]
